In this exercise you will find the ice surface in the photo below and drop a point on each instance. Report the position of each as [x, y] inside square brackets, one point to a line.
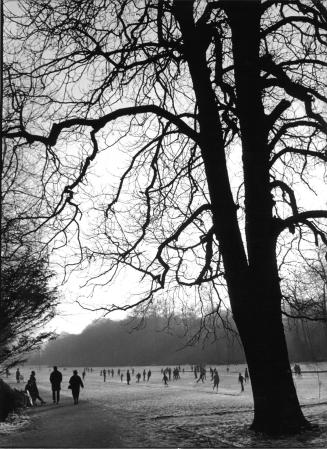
[186, 413]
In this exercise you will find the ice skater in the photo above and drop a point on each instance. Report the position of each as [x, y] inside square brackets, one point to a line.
[241, 381]
[75, 384]
[128, 377]
[165, 379]
[215, 380]
[202, 375]
[246, 374]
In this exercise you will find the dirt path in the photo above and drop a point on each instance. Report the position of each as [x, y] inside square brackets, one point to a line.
[66, 425]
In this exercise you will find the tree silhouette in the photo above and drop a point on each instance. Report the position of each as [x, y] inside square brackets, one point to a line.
[27, 300]
[27, 303]
[183, 88]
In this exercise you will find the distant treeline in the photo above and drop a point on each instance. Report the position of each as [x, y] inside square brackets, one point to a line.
[114, 343]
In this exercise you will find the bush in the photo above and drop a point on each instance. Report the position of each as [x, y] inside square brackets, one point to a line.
[10, 400]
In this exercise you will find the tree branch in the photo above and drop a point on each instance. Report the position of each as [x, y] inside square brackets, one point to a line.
[302, 217]
[99, 123]
[322, 156]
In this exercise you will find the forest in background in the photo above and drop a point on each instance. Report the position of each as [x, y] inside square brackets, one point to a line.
[118, 343]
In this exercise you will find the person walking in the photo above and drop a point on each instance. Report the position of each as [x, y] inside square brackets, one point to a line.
[215, 380]
[31, 387]
[75, 384]
[55, 379]
[128, 377]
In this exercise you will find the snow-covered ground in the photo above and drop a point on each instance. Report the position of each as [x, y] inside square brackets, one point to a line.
[184, 413]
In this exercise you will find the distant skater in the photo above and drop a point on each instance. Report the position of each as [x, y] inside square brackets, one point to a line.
[215, 380]
[202, 375]
[297, 370]
[83, 374]
[246, 374]
[75, 383]
[138, 376]
[55, 379]
[165, 379]
[144, 375]
[128, 377]
[104, 375]
[241, 381]
[149, 375]
[121, 377]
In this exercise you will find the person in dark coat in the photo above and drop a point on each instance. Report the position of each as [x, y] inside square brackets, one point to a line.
[55, 379]
[128, 377]
[215, 379]
[75, 383]
[31, 387]
[241, 381]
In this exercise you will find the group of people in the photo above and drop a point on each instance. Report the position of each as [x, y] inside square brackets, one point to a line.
[75, 384]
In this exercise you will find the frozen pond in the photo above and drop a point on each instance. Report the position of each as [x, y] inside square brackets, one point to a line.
[184, 413]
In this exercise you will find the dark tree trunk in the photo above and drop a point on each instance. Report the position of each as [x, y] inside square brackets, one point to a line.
[276, 406]
[252, 281]
[258, 316]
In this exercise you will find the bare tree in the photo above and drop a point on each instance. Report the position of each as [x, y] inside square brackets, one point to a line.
[27, 300]
[27, 303]
[181, 87]
[305, 288]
